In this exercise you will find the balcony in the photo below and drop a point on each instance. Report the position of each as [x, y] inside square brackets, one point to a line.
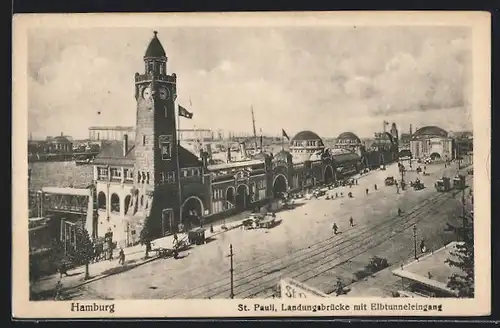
[148, 77]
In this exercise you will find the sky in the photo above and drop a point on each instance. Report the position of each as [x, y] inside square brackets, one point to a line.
[326, 79]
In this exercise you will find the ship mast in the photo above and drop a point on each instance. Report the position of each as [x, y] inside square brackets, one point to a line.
[254, 131]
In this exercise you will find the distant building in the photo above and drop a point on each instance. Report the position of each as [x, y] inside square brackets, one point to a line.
[350, 141]
[60, 144]
[431, 142]
[382, 149]
[105, 133]
[196, 134]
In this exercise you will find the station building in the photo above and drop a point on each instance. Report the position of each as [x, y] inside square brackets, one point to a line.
[431, 142]
[154, 177]
[383, 149]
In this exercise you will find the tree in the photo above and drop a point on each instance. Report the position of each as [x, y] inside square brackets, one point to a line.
[146, 235]
[84, 251]
[463, 258]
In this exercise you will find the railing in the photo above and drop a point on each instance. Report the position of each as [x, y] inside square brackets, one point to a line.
[149, 77]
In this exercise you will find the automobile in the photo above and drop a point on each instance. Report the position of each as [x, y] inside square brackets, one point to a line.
[382, 167]
[389, 181]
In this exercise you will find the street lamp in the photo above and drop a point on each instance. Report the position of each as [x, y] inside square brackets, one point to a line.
[415, 239]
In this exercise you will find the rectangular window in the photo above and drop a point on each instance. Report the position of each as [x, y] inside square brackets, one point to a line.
[165, 143]
[102, 173]
[129, 174]
[116, 173]
[170, 177]
[144, 140]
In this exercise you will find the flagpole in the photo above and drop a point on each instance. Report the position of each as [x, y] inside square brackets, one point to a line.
[179, 190]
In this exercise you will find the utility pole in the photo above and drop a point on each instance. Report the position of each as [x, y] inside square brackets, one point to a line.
[231, 270]
[415, 240]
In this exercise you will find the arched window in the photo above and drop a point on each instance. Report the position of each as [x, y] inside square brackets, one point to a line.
[115, 203]
[142, 200]
[101, 200]
[127, 203]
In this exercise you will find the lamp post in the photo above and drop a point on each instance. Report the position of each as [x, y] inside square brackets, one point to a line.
[415, 240]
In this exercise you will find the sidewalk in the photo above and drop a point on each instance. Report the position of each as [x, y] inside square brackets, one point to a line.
[134, 256]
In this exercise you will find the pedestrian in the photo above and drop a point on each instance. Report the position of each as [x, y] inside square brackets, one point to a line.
[62, 269]
[366, 190]
[336, 195]
[422, 246]
[339, 287]
[335, 228]
[59, 285]
[375, 186]
[121, 257]
[341, 194]
[400, 211]
[211, 228]
[351, 222]
[176, 239]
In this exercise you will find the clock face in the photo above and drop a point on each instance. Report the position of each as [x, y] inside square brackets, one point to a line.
[146, 93]
[164, 93]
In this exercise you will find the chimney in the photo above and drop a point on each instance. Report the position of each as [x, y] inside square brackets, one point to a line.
[125, 145]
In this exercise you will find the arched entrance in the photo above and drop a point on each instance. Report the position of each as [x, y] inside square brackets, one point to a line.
[328, 175]
[242, 193]
[192, 210]
[101, 200]
[115, 203]
[230, 198]
[435, 156]
[280, 185]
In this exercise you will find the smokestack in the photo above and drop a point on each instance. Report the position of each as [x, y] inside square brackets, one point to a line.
[125, 145]
[411, 130]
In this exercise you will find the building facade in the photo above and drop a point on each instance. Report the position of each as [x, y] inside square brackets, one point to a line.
[152, 177]
[431, 142]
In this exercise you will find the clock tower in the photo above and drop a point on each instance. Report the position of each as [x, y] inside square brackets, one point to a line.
[156, 162]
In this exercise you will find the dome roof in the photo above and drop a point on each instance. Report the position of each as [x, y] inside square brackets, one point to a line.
[348, 136]
[430, 131]
[306, 135]
[155, 49]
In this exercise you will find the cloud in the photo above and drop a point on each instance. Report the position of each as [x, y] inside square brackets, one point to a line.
[326, 80]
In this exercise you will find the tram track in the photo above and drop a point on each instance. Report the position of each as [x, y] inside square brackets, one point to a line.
[248, 280]
[334, 257]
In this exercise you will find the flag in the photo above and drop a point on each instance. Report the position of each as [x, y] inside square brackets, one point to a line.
[386, 123]
[283, 133]
[184, 112]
